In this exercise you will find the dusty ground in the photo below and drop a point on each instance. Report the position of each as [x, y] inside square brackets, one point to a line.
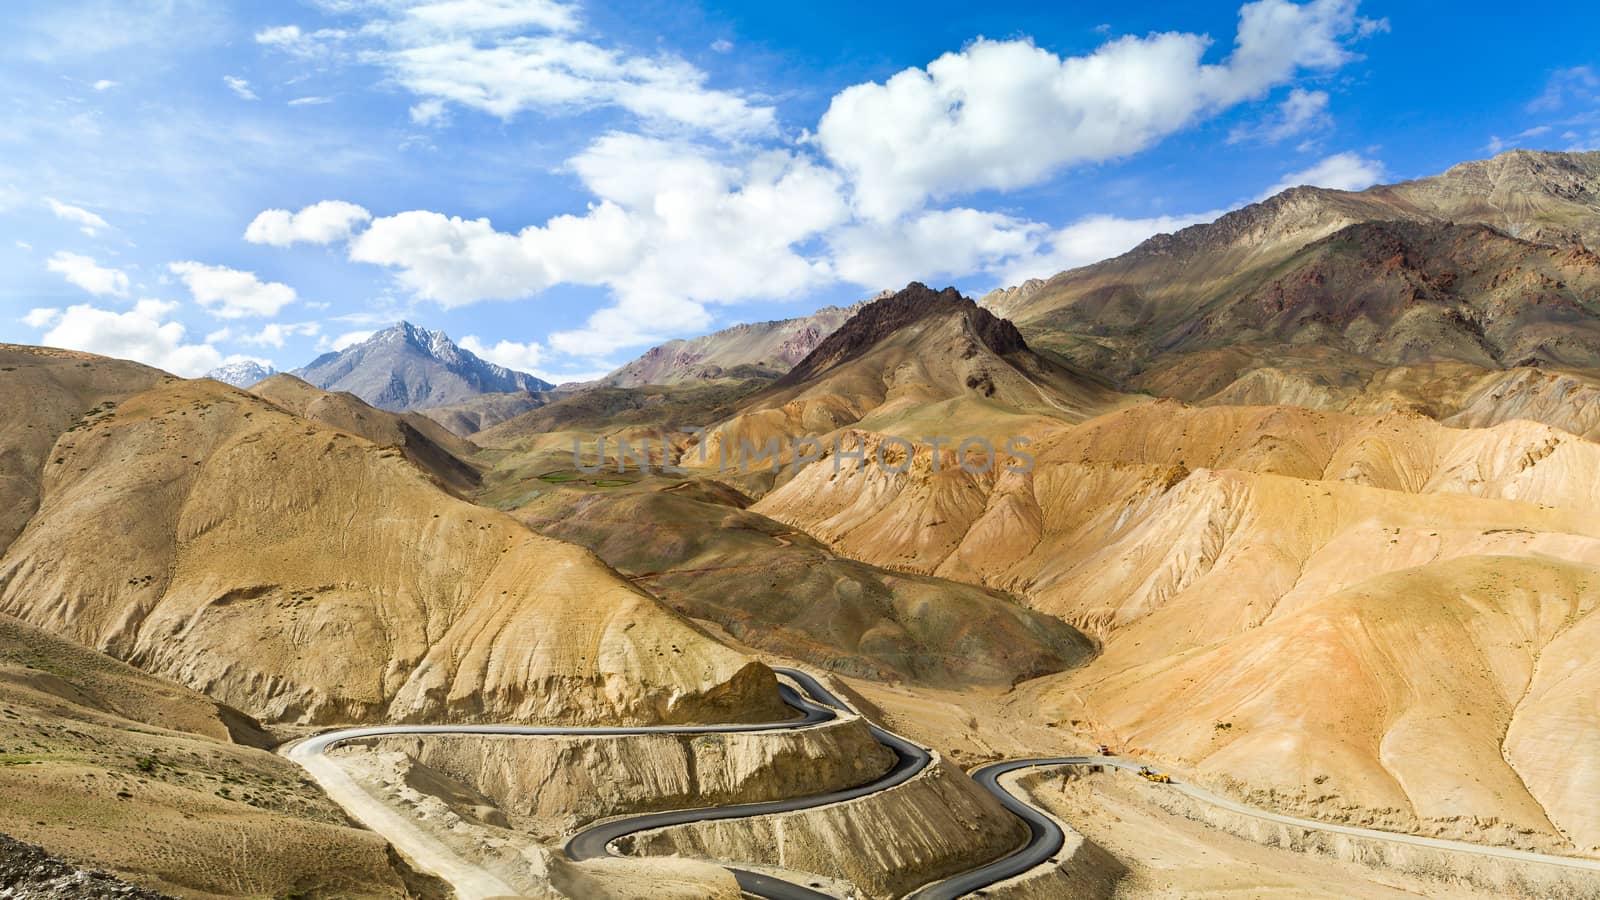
[111, 769]
[1168, 856]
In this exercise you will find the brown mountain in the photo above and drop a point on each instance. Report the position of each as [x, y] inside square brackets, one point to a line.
[1485, 263]
[918, 363]
[763, 347]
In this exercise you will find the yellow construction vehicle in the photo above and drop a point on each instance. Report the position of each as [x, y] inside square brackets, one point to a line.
[1150, 774]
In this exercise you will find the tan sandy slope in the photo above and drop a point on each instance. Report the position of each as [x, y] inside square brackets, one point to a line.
[1312, 603]
[304, 574]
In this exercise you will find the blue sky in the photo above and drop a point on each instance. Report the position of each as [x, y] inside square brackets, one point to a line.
[560, 185]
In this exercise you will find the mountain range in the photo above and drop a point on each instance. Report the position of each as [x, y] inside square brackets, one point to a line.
[1308, 517]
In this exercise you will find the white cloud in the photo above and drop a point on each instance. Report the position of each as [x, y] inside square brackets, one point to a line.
[673, 229]
[230, 293]
[319, 223]
[40, 317]
[87, 222]
[1302, 111]
[428, 112]
[105, 84]
[240, 87]
[24, 245]
[557, 74]
[512, 355]
[1007, 114]
[291, 39]
[930, 245]
[310, 101]
[722, 46]
[139, 334]
[468, 16]
[348, 339]
[507, 57]
[1576, 84]
[1497, 144]
[84, 272]
[1342, 172]
[274, 334]
[1092, 239]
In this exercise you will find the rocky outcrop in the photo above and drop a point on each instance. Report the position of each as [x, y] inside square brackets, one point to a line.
[877, 320]
[29, 873]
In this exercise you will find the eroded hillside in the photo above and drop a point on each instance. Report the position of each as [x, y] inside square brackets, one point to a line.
[303, 573]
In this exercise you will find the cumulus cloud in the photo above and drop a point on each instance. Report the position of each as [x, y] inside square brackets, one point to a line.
[141, 334]
[933, 244]
[231, 294]
[104, 84]
[319, 223]
[1007, 114]
[240, 87]
[1342, 172]
[87, 222]
[1092, 239]
[84, 272]
[673, 229]
[348, 339]
[512, 355]
[40, 317]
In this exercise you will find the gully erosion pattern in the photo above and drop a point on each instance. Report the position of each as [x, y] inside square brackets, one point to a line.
[818, 705]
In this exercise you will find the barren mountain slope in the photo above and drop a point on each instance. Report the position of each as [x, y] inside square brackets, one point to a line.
[780, 590]
[1237, 561]
[425, 442]
[469, 417]
[608, 410]
[1454, 393]
[117, 770]
[769, 347]
[304, 574]
[1482, 264]
[43, 393]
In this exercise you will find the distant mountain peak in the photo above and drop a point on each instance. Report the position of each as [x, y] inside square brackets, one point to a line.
[406, 367]
[242, 374]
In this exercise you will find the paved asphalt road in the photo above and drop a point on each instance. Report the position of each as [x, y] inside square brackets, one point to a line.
[818, 705]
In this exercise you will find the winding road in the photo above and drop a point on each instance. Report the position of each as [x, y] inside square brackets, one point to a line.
[472, 882]
[817, 705]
